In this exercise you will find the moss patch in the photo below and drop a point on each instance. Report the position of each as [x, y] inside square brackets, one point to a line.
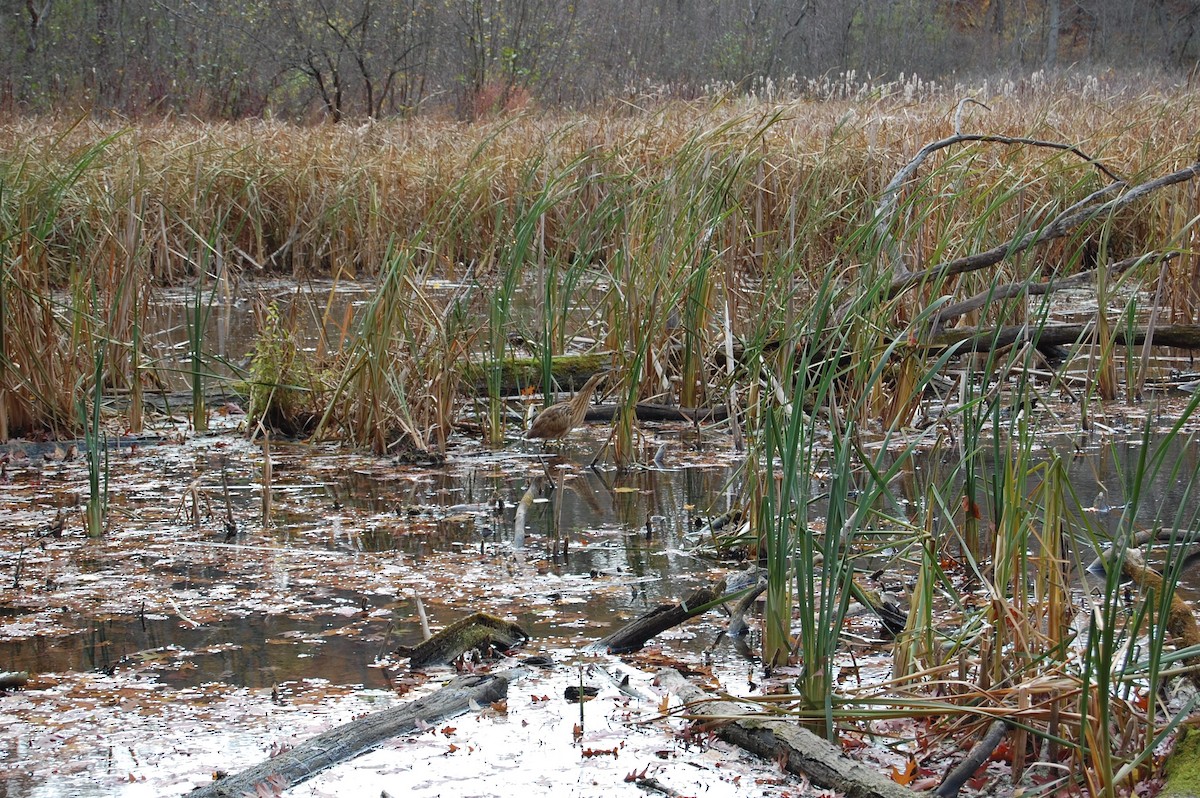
[1183, 768]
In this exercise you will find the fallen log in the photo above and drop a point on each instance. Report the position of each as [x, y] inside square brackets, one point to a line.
[798, 750]
[572, 371]
[633, 635]
[1180, 622]
[647, 411]
[517, 373]
[885, 213]
[1180, 336]
[1031, 287]
[348, 740]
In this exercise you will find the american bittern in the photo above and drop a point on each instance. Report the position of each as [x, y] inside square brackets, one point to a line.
[559, 419]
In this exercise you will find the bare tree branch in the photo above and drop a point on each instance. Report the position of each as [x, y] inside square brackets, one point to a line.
[886, 212]
[1079, 213]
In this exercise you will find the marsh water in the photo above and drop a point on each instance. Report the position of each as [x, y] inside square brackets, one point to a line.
[195, 636]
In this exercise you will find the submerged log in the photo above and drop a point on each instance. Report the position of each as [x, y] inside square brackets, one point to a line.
[737, 616]
[348, 740]
[798, 750]
[479, 630]
[633, 635]
[893, 618]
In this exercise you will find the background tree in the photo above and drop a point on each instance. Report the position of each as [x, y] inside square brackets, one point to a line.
[338, 59]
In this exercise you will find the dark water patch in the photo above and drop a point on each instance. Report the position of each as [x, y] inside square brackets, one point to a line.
[255, 651]
[232, 321]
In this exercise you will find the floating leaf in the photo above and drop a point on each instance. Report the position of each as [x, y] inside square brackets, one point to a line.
[634, 775]
[589, 753]
[906, 776]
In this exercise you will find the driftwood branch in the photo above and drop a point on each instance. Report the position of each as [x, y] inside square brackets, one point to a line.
[1087, 209]
[978, 754]
[358, 736]
[633, 635]
[886, 211]
[799, 751]
[1032, 287]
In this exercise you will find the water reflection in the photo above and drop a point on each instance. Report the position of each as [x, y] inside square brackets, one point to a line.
[255, 651]
[326, 309]
[440, 529]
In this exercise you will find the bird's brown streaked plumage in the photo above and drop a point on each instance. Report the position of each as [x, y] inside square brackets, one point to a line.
[559, 419]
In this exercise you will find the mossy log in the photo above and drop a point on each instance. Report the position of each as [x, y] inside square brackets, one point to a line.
[478, 631]
[1183, 767]
[10, 680]
[519, 373]
[348, 740]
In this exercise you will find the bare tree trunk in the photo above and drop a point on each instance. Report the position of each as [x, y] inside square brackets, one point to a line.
[1054, 12]
[37, 18]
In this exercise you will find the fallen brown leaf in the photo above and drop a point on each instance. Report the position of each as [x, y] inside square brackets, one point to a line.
[906, 776]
